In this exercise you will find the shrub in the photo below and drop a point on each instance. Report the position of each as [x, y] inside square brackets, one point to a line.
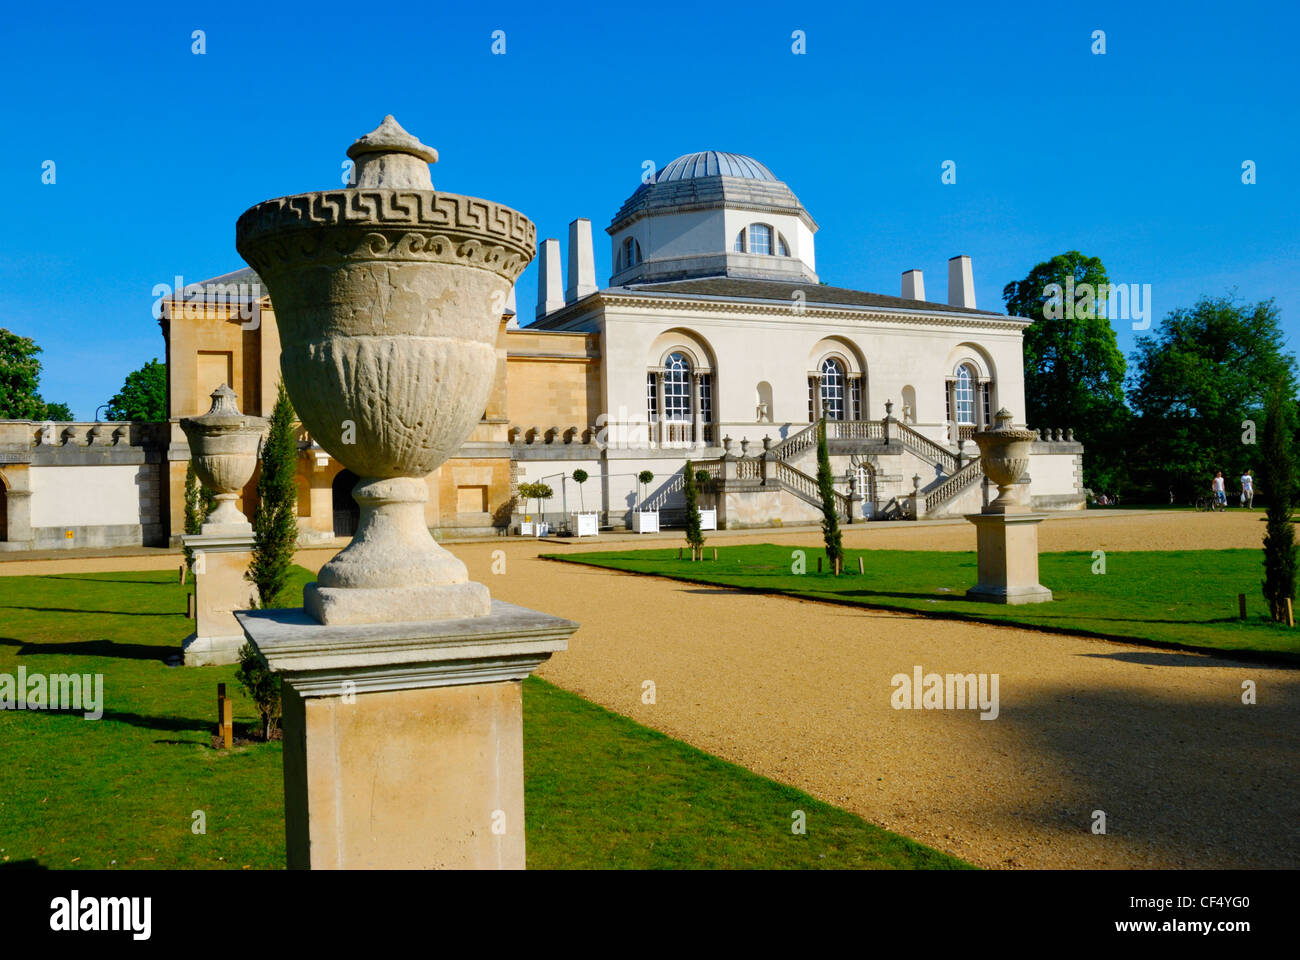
[262, 686]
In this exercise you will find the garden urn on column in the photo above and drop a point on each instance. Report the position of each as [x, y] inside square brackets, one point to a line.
[402, 678]
[1006, 529]
[224, 444]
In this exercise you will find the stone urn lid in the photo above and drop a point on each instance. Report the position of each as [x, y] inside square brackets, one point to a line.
[223, 416]
[390, 137]
[388, 156]
[1004, 432]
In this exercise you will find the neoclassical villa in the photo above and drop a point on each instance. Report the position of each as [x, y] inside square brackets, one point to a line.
[714, 340]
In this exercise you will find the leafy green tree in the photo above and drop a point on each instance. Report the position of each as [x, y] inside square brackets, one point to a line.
[826, 487]
[1278, 480]
[1074, 370]
[694, 535]
[20, 379]
[537, 491]
[275, 520]
[143, 397]
[262, 686]
[1196, 384]
[580, 477]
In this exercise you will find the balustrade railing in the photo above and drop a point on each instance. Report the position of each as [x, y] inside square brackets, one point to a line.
[954, 485]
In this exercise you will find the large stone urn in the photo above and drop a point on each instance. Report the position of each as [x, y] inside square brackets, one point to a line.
[1004, 458]
[402, 695]
[1006, 530]
[388, 297]
[224, 444]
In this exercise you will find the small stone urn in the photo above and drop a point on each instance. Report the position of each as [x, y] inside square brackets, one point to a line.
[1004, 458]
[388, 297]
[224, 444]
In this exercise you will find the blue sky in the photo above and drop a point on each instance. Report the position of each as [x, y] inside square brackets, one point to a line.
[1134, 156]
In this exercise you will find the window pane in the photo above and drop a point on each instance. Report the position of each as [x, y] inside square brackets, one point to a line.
[832, 389]
[965, 396]
[760, 238]
[677, 389]
[740, 242]
[651, 397]
[781, 246]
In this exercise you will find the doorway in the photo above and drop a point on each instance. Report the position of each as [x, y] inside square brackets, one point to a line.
[346, 511]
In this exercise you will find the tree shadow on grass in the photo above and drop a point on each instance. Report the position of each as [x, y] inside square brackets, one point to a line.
[93, 648]
[107, 613]
[64, 577]
[166, 724]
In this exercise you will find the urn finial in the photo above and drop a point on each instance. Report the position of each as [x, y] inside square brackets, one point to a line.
[388, 156]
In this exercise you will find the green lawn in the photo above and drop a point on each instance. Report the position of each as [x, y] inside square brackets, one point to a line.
[1186, 598]
[602, 791]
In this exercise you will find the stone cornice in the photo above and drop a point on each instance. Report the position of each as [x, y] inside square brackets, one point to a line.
[808, 310]
[318, 660]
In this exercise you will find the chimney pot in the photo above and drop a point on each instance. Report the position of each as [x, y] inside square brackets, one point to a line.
[550, 282]
[582, 261]
[961, 283]
[913, 285]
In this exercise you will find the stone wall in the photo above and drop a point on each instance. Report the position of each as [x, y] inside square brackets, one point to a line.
[69, 485]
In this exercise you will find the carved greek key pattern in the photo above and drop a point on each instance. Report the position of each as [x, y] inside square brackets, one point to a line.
[386, 224]
[415, 208]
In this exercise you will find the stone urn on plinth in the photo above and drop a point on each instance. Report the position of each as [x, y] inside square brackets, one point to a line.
[402, 704]
[224, 445]
[1006, 529]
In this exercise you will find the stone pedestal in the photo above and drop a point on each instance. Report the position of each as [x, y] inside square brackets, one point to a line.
[403, 742]
[1008, 558]
[220, 589]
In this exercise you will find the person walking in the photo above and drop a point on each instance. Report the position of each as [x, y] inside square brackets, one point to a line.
[1219, 488]
[1248, 489]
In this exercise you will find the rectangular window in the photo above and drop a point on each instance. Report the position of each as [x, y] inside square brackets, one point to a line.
[651, 398]
[947, 402]
[988, 417]
[812, 407]
[760, 239]
[855, 398]
[706, 398]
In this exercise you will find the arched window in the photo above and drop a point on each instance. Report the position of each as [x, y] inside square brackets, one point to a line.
[757, 238]
[631, 252]
[832, 389]
[964, 395]
[677, 388]
[782, 248]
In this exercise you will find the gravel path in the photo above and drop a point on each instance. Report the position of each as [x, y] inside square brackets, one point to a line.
[1187, 775]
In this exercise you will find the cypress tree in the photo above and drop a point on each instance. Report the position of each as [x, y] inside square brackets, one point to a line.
[826, 487]
[694, 536]
[199, 501]
[1277, 477]
[275, 521]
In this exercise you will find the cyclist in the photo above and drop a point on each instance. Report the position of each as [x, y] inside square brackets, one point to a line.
[1219, 488]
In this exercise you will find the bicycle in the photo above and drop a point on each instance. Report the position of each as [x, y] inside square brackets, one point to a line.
[1209, 502]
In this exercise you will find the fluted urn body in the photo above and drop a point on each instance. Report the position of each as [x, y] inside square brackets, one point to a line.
[389, 296]
[1004, 458]
[224, 444]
